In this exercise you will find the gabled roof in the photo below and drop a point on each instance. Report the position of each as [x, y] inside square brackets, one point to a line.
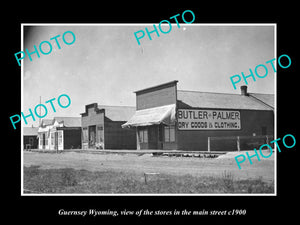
[68, 121]
[118, 113]
[46, 122]
[30, 131]
[225, 101]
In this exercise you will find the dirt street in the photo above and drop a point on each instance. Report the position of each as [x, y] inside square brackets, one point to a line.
[149, 163]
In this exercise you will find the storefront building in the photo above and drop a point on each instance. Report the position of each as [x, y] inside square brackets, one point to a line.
[167, 118]
[60, 133]
[101, 127]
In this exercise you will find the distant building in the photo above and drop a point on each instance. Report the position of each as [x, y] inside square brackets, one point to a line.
[60, 133]
[101, 127]
[167, 118]
[30, 137]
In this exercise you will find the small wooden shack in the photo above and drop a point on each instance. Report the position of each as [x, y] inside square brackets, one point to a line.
[60, 133]
[30, 138]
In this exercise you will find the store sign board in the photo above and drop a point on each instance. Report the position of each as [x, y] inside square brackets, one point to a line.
[196, 119]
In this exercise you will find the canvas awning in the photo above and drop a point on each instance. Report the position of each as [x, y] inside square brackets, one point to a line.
[157, 115]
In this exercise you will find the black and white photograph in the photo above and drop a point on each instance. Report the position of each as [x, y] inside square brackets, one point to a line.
[188, 112]
[137, 114]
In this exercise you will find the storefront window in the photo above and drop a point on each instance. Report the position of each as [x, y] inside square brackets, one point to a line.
[172, 133]
[146, 135]
[52, 138]
[143, 135]
[169, 133]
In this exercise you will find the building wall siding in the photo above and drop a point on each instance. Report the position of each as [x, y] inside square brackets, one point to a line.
[92, 118]
[252, 122]
[159, 97]
[170, 145]
[117, 137]
[72, 138]
[35, 141]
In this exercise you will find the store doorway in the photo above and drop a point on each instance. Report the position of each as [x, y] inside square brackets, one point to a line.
[44, 140]
[92, 136]
[155, 137]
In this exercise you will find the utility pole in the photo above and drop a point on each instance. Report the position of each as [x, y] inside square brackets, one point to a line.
[40, 111]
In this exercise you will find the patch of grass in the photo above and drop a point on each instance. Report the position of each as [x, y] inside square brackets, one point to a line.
[82, 181]
[32, 171]
[257, 186]
[227, 182]
[68, 177]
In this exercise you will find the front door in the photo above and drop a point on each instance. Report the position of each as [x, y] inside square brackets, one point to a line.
[44, 140]
[92, 136]
[153, 137]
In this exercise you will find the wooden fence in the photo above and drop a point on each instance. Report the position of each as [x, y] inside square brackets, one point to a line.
[238, 143]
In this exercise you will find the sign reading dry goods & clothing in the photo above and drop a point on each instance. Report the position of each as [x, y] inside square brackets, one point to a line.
[196, 119]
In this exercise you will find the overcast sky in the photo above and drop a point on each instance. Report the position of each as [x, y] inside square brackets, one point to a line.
[106, 65]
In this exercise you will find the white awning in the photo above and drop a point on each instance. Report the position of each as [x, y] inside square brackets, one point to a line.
[157, 115]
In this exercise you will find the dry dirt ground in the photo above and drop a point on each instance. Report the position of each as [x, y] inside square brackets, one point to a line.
[162, 164]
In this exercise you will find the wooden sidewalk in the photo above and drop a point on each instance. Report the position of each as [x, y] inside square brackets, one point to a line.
[154, 152]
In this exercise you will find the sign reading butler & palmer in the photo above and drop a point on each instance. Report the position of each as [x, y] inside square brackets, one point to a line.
[196, 119]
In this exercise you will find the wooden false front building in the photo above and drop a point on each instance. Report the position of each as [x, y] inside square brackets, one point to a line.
[167, 118]
[101, 127]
